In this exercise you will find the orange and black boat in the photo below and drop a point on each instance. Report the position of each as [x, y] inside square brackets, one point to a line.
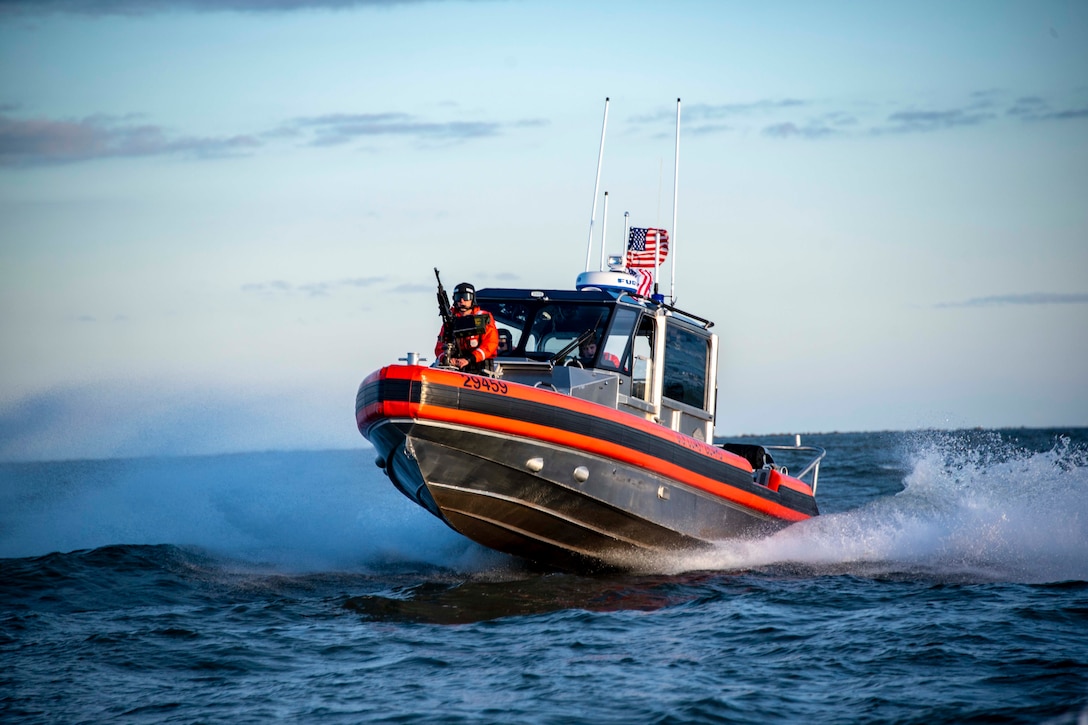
[583, 461]
[579, 462]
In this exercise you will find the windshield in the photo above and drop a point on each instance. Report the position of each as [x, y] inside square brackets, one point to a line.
[543, 329]
[510, 320]
[557, 325]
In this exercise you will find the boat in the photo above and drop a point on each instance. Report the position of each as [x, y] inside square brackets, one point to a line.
[577, 463]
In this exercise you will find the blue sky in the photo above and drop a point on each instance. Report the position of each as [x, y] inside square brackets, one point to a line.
[217, 217]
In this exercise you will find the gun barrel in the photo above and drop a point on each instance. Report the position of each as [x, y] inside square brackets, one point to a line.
[445, 314]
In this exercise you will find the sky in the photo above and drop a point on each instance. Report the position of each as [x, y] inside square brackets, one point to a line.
[216, 218]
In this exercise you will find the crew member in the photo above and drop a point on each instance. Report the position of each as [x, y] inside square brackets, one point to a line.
[588, 350]
[471, 351]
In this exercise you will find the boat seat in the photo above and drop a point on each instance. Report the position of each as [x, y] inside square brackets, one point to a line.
[756, 455]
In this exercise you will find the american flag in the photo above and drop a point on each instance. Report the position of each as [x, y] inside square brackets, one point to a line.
[644, 244]
[645, 281]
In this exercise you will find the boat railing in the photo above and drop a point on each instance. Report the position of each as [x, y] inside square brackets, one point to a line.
[810, 472]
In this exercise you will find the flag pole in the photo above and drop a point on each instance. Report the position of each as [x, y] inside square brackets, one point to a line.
[657, 261]
[604, 229]
[626, 235]
[596, 186]
[675, 190]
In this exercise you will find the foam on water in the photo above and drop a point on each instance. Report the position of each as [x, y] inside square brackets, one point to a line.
[976, 509]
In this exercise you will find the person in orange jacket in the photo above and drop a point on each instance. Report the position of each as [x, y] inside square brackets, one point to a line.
[471, 351]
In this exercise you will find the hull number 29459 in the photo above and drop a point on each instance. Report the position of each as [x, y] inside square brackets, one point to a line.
[478, 383]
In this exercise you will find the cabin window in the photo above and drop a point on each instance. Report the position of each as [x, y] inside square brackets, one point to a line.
[619, 335]
[554, 326]
[510, 320]
[642, 359]
[685, 373]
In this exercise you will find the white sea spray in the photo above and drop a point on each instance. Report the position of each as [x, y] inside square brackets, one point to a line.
[976, 508]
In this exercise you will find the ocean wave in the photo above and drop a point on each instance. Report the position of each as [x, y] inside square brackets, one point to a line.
[974, 506]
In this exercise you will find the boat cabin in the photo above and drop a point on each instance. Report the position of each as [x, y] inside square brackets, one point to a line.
[650, 359]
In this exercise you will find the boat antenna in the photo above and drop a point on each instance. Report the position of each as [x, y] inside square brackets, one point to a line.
[675, 190]
[626, 235]
[596, 186]
[604, 229]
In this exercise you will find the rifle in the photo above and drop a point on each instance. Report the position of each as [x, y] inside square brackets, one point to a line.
[447, 318]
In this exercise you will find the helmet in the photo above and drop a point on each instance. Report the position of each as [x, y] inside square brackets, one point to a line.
[464, 290]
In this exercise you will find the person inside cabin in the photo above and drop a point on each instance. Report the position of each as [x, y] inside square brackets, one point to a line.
[505, 343]
[587, 351]
[469, 350]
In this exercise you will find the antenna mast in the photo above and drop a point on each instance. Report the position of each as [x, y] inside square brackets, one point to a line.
[596, 187]
[604, 229]
[675, 190]
[626, 235]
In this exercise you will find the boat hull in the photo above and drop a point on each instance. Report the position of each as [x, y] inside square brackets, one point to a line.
[558, 480]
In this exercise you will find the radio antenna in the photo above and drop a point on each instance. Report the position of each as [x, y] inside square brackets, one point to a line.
[604, 230]
[675, 193]
[596, 187]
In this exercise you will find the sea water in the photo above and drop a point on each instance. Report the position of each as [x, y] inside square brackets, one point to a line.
[946, 581]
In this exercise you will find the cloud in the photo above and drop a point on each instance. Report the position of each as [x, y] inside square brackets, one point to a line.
[531, 123]
[310, 289]
[1034, 108]
[38, 141]
[926, 121]
[1036, 298]
[99, 8]
[1066, 115]
[705, 119]
[341, 128]
[704, 113]
[786, 118]
[273, 287]
[982, 107]
[810, 130]
[830, 123]
[44, 141]
[815, 119]
[989, 98]
[1027, 106]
